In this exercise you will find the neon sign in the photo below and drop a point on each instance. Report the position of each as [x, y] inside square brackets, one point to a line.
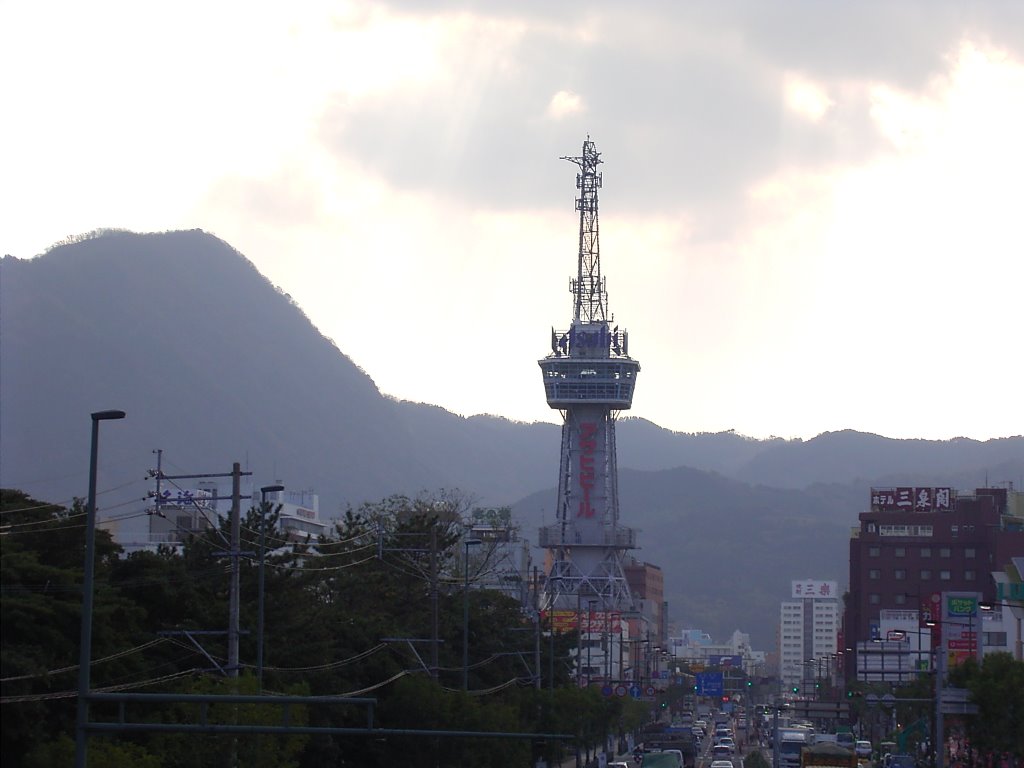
[588, 444]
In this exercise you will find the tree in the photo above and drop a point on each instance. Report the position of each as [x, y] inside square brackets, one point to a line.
[997, 687]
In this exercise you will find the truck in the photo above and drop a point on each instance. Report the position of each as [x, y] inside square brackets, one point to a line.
[827, 756]
[791, 743]
[659, 738]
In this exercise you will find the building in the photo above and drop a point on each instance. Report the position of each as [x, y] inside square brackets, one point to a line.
[1002, 620]
[809, 630]
[178, 513]
[914, 554]
[647, 583]
[588, 377]
[298, 515]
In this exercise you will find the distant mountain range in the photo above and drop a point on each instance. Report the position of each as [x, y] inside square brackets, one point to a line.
[214, 365]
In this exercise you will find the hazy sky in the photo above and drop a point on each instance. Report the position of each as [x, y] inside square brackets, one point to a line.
[811, 217]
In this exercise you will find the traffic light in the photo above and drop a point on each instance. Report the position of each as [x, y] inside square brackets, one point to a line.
[694, 687]
[750, 683]
[796, 689]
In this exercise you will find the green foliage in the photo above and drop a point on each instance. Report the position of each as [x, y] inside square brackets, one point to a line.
[329, 605]
[997, 687]
[755, 759]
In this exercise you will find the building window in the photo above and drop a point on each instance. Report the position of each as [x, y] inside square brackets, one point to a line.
[954, 529]
[925, 574]
[970, 575]
[874, 598]
[900, 551]
[874, 551]
[969, 552]
[874, 574]
[899, 574]
[943, 551]
[926, 551]
[944, 575]
[993, 639]
[901, 599]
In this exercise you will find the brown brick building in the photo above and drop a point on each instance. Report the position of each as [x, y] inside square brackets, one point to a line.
[917, 542]
[647, 583]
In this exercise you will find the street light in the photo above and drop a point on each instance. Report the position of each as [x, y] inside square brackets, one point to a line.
[85, 646]
[466, 544]
[263, 534]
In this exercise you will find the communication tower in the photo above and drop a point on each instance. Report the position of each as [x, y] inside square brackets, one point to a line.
[589, 377]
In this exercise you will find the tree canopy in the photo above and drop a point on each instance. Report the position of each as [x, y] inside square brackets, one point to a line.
[353, 615]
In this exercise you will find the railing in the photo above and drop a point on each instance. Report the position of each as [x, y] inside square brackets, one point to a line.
[619, 537]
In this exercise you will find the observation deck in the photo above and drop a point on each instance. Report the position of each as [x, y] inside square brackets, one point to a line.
[588, 365]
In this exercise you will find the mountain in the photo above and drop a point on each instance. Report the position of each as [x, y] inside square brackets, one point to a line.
[214, 365]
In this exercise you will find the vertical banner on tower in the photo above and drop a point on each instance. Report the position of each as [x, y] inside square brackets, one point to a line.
[588, 462]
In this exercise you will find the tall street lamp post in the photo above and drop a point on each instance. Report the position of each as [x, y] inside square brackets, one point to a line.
[263, 538]
[466, 544]
[85, 646]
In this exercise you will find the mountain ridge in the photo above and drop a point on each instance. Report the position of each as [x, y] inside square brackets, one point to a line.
[214, 364]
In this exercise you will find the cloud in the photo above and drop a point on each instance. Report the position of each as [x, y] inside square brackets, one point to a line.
[563, 104]
[805, 97]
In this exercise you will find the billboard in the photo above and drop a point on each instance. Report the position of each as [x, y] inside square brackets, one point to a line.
[961, 625]
[596, 621]
[813, 588]
[908, 499]
[736, 662]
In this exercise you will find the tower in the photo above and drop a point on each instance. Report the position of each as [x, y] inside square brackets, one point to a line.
[589, 377]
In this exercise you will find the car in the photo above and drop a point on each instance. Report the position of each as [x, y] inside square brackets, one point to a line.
[862, 748]
[618, 764]
[726, 741]
[721, 764]
[721, 752]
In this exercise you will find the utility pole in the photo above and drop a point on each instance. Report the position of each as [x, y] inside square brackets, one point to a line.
[940, 737]
[536, 636]
[234, 554]
[435, 631]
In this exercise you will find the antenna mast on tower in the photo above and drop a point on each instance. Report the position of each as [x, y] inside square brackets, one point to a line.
[591, 298]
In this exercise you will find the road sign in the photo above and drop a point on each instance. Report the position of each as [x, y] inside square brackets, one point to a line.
[710, 684]
[821, 709]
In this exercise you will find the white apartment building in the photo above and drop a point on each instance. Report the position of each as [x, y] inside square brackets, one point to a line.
[808, 634]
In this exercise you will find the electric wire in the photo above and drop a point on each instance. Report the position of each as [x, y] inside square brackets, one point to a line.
[104, 689]
[92, 663]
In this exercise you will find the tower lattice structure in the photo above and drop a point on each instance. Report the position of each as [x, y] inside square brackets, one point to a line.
[589, 377]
